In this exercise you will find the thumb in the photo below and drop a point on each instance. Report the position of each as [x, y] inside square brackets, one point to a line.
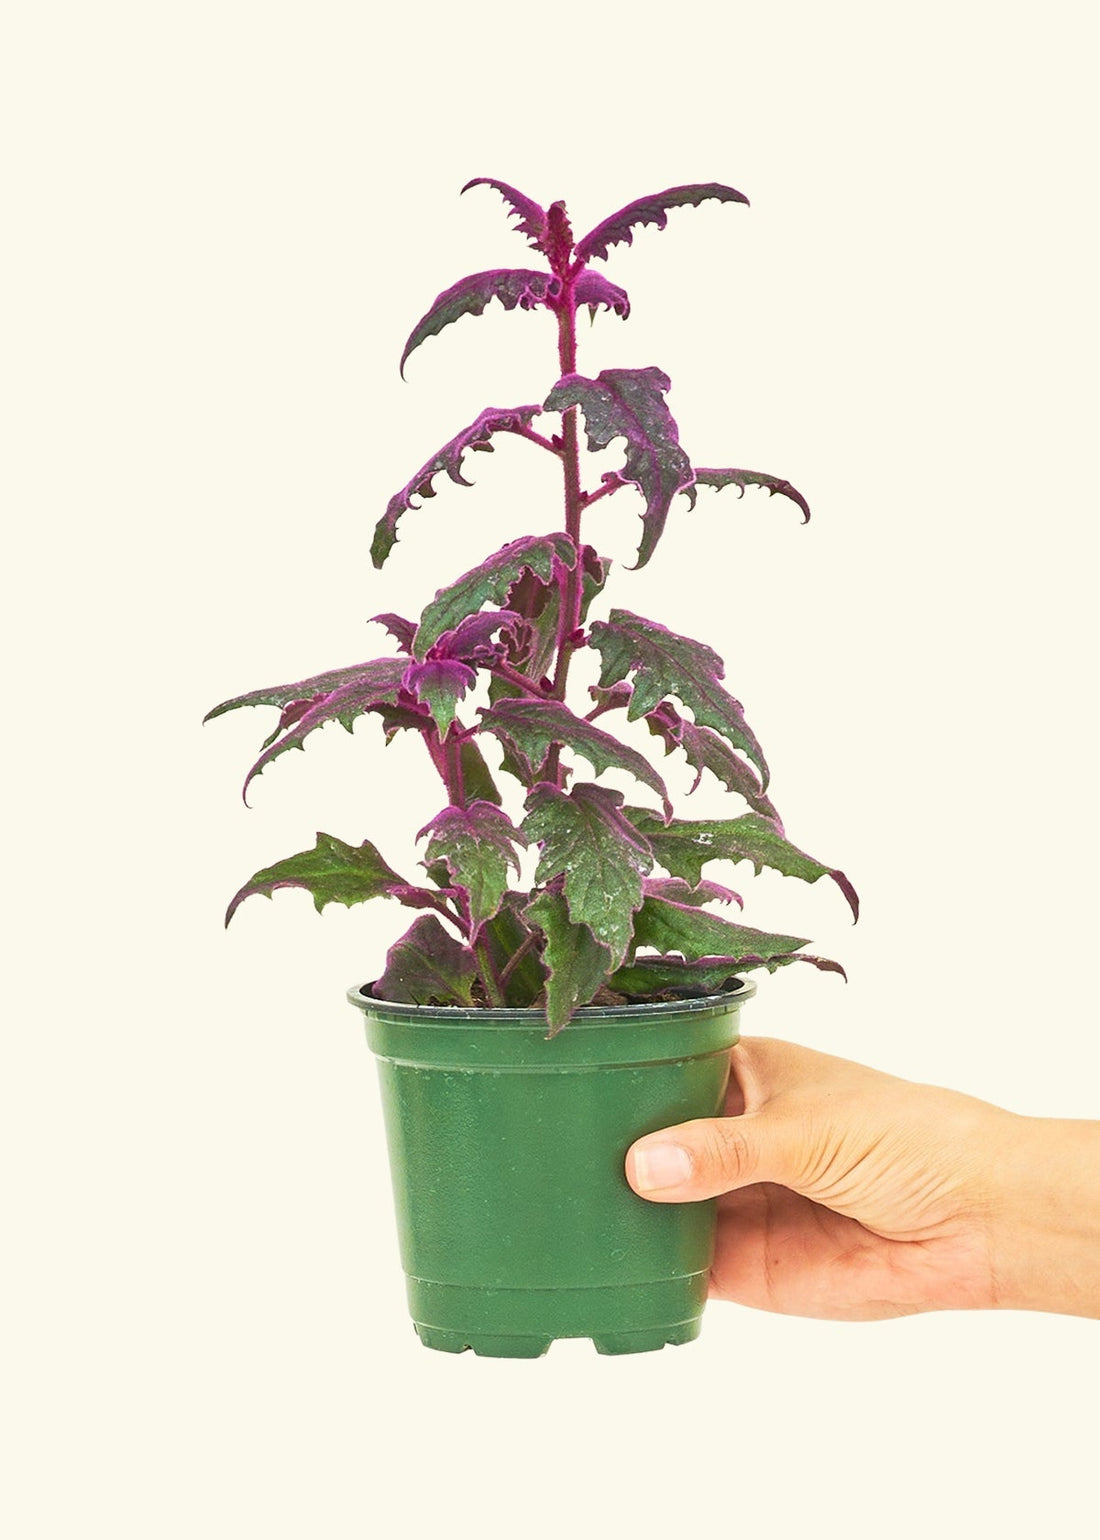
[711, 1156]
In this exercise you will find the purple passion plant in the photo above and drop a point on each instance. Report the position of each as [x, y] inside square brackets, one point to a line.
[619, 910]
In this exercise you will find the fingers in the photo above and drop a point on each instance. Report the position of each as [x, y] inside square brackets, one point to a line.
[715, 1155]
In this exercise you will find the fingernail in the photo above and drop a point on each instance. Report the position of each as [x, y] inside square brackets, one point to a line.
[661, 1165]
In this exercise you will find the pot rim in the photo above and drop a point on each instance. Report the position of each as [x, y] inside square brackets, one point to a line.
[588, 1015]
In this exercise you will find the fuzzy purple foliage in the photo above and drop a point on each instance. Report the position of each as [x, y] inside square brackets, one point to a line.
[618, 901]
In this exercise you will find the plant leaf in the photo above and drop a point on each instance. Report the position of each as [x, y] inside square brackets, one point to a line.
[664, 663]
[427, 967]
[684, 846]
[588, 843]
[705, 750]
[492, 420]
[531, 726]
[594, 290]
[305, 689]
[490, 582]
[651, 210]
[681, 892]
[476, 776]
[375, 684]
[648, 976]
[400, 629]
[506, 935]
[629, 403]
[530, 216]
[672, 927]
[477, 844]
[335, 873]
[706, 476]
[440, 683]
[469, 296]
[471, 641]
[578, 963]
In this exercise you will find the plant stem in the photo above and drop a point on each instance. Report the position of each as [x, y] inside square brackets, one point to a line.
[517, 956]
[537, 438]
[493, 984]
[572, 583]
[521, 681]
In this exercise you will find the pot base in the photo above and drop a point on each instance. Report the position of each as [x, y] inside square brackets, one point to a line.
[522, 1323]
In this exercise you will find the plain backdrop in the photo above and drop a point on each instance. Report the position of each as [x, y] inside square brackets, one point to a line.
[222, 220]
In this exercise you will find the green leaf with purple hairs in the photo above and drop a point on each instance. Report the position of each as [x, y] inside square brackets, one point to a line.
[476, 775]
[490, 583]
[594, 290]
[478, 844]
[704, 749]
[529, 727]
[706, 476]
[335, 873]
[306, 690]
[665, 663]
[578, 963]
[469, 296]
[427, 967]
[651, 210]
[681, 892]
[514, 950]
[599, 855]
[630, 404]
[684, 846]
[512, 419]
[672, 927]
[440, 683]
[648, 976]
[530, 216]
[373, 684]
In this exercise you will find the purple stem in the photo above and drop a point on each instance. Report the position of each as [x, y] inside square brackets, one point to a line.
[521, 681]
[572, 582]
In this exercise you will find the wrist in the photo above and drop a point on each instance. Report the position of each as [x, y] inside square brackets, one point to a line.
[1045, 1223]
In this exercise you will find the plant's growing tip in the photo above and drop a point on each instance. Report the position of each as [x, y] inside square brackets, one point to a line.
[619, 908]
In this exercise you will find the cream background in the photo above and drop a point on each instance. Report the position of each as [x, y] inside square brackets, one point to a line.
[224, 219]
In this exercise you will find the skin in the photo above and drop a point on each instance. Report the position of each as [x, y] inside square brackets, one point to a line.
[848, 1194]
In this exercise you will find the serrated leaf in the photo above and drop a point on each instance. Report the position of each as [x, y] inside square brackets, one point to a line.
[476, 776]
[304, 689]
[704, 749]
[672, 927]
[647, 977]
[334, 873]
[477, 437]
[531, 726]
[400, 629]
[508, 938]
[684, 846]
[530, 216]
[629, 404]
[471, 641]
[651, 210]
[664, 663]
[440, 683]
[681, 891]
[578, 963]
[427, 967]
[594, 290]
[469, 296]
[600, 856]
[478, 844]
[374, 684]
[490, 582]
[707, 476]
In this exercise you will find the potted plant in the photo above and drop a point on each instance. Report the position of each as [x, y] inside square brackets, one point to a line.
[527, 1036]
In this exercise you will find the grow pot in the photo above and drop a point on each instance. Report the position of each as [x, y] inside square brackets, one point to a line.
[516, 1222]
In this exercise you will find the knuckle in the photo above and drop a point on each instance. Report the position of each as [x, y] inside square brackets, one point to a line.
[724, 1153]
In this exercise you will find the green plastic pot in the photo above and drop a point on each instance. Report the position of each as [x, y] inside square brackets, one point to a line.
[516, 1223]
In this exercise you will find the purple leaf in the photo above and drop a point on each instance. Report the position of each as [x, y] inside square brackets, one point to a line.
[440, 683]
[477, 845]
[492, 420]
[705, 750]
[600, 855]
[681, 892]
[705, 476]
[594, 290]
[616, 698]
[665, 663]
[684, 846]
[578, 963]
[629, 403]
[530, 216]
[469, 296]
[491, 582]
[374, 684]
[529, 727]
[671, 927]
[427, 967]
[400, 629]
[335, 873]
[649, 211]
[308, 690]
[472, 639]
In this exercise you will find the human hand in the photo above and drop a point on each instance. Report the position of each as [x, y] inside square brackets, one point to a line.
[851, 1194]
